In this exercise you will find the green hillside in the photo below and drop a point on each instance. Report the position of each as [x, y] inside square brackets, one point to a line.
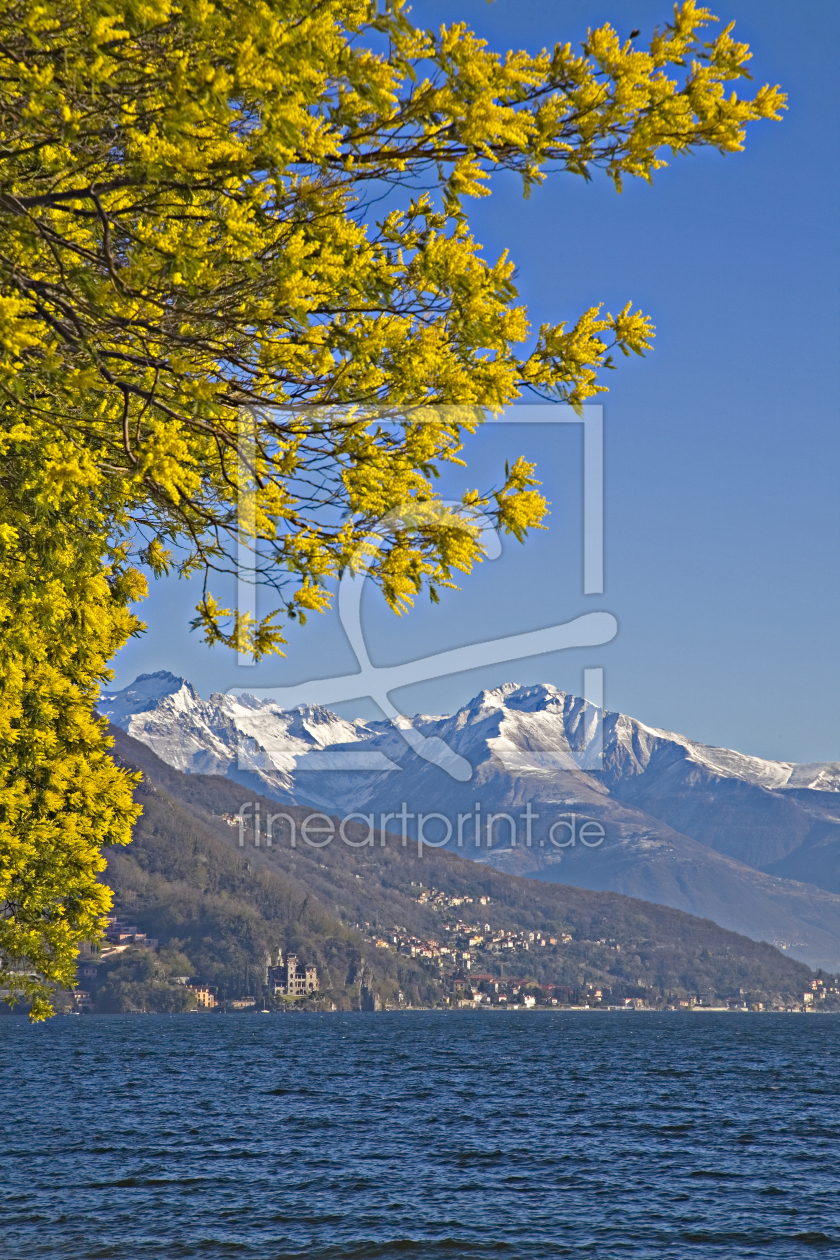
[219, 909]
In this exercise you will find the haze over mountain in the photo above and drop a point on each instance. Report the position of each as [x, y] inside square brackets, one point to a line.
[751, 844]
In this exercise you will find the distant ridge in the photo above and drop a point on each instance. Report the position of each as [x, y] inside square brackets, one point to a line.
[752, 844]
[186, 881]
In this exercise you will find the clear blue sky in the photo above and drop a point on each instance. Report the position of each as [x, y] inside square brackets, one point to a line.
[723, 452]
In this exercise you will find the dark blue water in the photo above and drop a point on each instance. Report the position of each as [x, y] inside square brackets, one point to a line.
[421, 1135]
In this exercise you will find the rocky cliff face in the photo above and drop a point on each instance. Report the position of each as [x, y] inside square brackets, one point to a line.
[752, 844]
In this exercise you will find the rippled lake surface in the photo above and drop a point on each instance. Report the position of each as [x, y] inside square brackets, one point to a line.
[421, 1135]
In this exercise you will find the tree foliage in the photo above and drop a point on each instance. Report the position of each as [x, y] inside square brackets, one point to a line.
[189, 233]
[239, 298]
[63, 614]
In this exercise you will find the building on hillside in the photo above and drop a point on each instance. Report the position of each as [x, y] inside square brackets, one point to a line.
[204, 999]
[120, 934]
[290, 979]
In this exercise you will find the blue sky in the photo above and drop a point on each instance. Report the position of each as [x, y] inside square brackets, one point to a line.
[722, 446]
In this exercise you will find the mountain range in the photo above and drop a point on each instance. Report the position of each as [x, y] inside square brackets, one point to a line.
[426, 928]
[750, 843]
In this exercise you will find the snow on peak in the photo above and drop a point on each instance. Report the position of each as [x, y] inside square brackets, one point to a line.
[525, 728]
[492, 698]
[144, 694]
[278, 730]
[542, 696]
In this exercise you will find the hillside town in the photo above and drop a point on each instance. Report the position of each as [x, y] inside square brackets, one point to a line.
[476, 966]
[469, 964]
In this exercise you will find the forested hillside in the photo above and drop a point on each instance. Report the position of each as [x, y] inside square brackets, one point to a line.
[358, 912]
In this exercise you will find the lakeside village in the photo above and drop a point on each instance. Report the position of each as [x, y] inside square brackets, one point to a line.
[282, 979]
[470, 964]
[457, 959]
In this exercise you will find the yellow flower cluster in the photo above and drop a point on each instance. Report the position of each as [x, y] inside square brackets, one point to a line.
[64, 598]
[184, 233]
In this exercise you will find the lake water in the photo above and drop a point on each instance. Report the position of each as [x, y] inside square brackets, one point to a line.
[415, 1135]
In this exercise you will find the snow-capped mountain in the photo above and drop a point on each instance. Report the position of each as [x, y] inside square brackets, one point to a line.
[238, 736]
[752, 844]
